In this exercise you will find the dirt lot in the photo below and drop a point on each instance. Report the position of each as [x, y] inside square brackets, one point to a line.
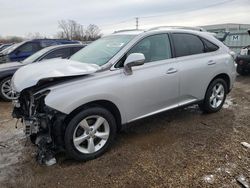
[181, 148]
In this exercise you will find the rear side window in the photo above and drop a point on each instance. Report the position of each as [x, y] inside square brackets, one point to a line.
[187, 44]
[209, 46]
[60, 53]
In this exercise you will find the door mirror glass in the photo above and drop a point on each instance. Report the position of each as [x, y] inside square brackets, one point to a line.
[134, 59]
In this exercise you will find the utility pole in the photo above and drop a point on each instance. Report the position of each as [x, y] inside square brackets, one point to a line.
[137, 22]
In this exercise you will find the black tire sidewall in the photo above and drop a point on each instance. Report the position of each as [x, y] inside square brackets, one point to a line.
[68, 138]
[1, 84]
[207, 106]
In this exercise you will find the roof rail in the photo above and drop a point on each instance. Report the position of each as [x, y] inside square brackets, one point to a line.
[125, 30]
[177, 27]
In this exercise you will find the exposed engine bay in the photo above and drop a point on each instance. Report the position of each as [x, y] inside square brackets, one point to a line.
[42, 124]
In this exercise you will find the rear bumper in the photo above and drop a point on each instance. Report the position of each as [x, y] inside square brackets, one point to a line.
[243, 61]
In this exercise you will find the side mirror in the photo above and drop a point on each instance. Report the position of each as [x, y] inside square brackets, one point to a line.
[134, 59]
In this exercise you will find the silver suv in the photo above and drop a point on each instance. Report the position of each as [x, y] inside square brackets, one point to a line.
[78, 105]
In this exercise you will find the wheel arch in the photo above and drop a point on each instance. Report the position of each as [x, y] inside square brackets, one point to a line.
[225, 77]
[108, 105]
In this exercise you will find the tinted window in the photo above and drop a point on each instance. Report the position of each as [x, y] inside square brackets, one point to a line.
[209, 46]
[75, 49]
[187, 44]
[60, 53]
[29, 47]
[154, 48]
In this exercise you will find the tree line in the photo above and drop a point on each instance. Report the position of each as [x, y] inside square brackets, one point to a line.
[68, 29]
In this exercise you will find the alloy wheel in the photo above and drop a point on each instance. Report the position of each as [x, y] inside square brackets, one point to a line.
[217, 96]
[7, 91]
[91, 134]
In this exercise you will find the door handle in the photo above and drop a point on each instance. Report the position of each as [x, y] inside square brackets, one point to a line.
[171, 71]
[211, 62]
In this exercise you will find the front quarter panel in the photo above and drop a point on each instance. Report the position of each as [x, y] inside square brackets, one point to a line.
[71, 96]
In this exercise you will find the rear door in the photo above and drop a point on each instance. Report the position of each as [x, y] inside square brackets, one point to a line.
[196, 63]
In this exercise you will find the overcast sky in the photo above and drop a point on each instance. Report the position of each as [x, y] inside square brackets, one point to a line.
[20, 17]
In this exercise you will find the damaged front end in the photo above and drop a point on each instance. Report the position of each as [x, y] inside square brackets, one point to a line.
[44, 125]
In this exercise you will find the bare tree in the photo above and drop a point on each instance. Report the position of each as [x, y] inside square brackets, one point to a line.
[11, 39]
[74, 31]
[36, 35]
[93, 32]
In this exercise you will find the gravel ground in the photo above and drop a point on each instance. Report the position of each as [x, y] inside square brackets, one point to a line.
[180, 148]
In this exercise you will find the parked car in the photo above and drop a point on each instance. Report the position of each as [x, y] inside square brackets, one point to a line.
[243, 60]
[78, 105]
[4, 46]
[24, 49]
[8, 69]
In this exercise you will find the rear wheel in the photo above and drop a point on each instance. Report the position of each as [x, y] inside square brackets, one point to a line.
[6, 92]
[90, 133]
[215, 96]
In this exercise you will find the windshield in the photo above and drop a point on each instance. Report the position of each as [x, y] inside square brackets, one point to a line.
[102, 50]
[11, 48]
[36, 55]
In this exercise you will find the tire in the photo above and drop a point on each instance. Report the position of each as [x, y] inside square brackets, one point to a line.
[240, 70]
[83, 150]
[3, 84]
[209, 106]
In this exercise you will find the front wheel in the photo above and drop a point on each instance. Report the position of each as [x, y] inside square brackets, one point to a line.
[90, 133]
[215, 96]
[6, 92]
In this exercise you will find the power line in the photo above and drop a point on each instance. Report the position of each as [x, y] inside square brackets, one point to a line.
[208, 6]
[163, 14]
[117, 23]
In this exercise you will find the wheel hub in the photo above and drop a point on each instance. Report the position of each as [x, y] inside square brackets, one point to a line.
[91, 134]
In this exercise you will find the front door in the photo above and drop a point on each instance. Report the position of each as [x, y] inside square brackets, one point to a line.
[153, 87]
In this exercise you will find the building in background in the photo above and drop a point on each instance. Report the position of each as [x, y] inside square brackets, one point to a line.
[238, 34]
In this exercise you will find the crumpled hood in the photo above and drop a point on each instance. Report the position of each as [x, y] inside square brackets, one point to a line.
[30, 75]
[10, 66]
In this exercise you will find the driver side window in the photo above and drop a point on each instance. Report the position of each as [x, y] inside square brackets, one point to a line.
[155, 48]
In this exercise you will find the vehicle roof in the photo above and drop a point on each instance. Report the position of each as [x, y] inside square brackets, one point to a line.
[194, 30]
[64, 46]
